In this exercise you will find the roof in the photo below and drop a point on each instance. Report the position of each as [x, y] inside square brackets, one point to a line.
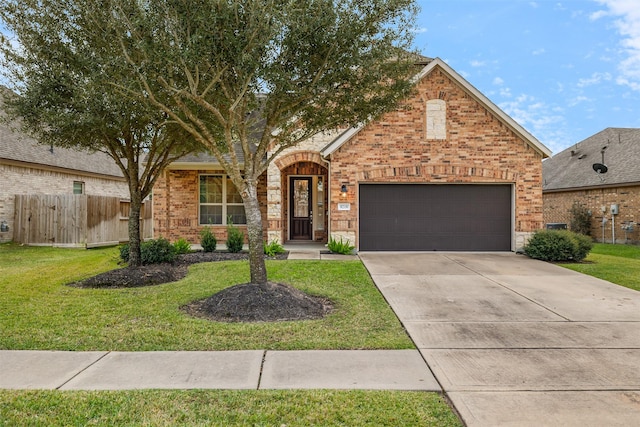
[19, 147]
[26, 150]
[573, 167]
[501, 115]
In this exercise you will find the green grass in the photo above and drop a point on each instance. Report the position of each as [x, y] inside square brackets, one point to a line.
[618, 264]
[225, 408]
[38, 312]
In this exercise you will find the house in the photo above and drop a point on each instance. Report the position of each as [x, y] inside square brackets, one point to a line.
[448, 170]
[612, 198]
[28, 167]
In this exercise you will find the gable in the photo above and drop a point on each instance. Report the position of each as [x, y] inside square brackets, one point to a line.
[434, 122]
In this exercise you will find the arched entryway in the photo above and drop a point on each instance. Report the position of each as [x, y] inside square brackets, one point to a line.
[304, 201]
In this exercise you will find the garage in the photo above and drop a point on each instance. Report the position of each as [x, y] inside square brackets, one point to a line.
[435, 217]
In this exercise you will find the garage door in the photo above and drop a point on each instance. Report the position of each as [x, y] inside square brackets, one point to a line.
[420, 217]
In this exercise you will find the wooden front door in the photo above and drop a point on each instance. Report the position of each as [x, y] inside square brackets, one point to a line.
[301, 213]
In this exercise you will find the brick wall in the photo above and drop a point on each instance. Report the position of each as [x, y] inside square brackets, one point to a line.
[176, 204]
[557, 206]
[477, 147]
[22, 180]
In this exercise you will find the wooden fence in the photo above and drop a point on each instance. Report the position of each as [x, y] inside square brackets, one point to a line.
[76, 220]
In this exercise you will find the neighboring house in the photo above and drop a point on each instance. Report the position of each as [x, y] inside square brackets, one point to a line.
[570, 178]
[447, 171]
[27, 167]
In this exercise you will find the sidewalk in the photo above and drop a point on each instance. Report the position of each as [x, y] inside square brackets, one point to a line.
[251, 369]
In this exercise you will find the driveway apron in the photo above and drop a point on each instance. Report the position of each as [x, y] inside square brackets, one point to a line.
[518, 342]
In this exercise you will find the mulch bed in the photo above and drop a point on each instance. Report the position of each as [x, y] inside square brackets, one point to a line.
[157, 274]
[270, 302]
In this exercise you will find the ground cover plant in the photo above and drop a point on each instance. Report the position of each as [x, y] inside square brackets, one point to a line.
[39, 311]
[225, 408]
[618, 264]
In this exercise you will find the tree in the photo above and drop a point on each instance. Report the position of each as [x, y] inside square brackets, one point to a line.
[255, 76]
[71, 94]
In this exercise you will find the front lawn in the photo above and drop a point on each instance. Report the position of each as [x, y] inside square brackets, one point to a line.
[38, 311]
[225, 408]
[618, 264]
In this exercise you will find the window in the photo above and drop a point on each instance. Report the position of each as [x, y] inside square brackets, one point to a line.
[78, 187]
[219, 200]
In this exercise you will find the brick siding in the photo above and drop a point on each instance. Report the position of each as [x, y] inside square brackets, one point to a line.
[557, 207]
[176, 205]
[478, 148]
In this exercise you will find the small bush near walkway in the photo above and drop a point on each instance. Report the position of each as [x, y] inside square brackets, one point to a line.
[558, 245]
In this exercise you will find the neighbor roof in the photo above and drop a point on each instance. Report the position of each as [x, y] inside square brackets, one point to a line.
[501, 115]
[20, 148]
[17, 147]
[573, 167]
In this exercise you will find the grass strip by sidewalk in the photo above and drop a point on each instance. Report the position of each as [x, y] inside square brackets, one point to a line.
[225, 408]
[38, 312]
[618, 264]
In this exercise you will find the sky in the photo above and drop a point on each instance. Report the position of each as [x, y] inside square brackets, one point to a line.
[564, 70]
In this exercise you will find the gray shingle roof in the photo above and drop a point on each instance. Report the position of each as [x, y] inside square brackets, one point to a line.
[573, 167]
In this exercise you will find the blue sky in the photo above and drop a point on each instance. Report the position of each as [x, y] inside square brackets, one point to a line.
[564, 70]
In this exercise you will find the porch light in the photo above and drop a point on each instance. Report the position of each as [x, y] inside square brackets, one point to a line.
[343, 190]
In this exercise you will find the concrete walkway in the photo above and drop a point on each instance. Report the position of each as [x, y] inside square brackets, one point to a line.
[518, 342]
[250, 370]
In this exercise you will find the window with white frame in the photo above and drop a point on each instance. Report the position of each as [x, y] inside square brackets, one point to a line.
[220, 200]
[78, 187]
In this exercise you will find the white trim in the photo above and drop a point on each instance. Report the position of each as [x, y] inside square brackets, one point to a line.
[482, 99]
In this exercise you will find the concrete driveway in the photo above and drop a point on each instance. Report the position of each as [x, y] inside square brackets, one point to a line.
[518, 342]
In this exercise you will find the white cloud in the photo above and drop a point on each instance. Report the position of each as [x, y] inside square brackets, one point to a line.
[419, 30]
[538, 51]
[594, 79]
[475, 63]
[628, 26]
[577, 100]
[498, 81]
[538, 117]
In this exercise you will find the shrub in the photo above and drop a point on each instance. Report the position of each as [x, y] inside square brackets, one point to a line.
[182, 246]
[558, 245]
[124, 253]
[274, 248]
[207, 240]
[235, 238]
[580, 219]
[157, 251]
[344, 248]
[152, 251]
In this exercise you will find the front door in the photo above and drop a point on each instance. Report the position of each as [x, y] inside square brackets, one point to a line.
[301, 212]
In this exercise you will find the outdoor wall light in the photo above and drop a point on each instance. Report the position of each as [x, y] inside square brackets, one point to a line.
[343, 190]
[4, 227]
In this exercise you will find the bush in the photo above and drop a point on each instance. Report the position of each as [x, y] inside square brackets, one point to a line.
[124, 253]
[344, 248]
[152, 251]
[207, 240]
[235, 238]
[558, 245]
[580, 219]
[274, 248]
[182, 246]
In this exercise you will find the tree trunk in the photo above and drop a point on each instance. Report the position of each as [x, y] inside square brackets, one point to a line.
[135, 259]
[257, 265]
